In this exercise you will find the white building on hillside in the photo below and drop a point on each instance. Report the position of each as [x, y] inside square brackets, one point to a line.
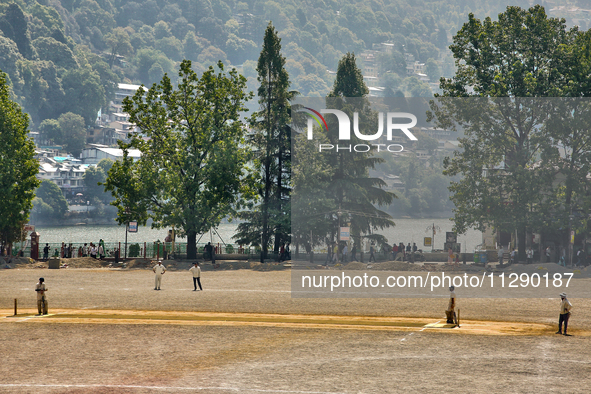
[94, 153]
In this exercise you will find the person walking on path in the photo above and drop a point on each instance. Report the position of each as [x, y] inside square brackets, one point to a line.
[335, 253]
[40, 288]
[500, 255]
[565, 307]
[196, 271]
[159, 270]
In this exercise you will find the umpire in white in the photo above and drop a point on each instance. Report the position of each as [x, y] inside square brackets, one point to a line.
[565, 307]
[159, 270]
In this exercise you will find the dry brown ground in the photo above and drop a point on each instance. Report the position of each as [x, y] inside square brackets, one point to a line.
[111, 333]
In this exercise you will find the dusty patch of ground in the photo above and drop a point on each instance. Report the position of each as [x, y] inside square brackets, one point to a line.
[112, 333]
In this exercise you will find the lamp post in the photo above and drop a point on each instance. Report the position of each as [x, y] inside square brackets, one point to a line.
[434, 228]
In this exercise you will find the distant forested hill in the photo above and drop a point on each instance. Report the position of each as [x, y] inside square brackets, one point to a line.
[67, 56]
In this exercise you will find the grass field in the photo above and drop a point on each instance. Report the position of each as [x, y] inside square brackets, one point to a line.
[109, 332]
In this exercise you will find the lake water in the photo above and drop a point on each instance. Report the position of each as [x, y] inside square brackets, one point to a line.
[406, 230]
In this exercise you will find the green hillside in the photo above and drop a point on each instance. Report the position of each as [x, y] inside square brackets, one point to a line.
[68, 56]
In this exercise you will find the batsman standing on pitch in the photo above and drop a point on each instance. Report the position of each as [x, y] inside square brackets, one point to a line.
[159, 270]
[565, 307]
[450, 313]
[40, 288]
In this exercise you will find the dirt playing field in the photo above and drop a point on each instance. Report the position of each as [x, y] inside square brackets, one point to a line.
[109, 332]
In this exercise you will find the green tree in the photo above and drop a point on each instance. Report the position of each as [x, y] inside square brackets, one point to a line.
[84, 93]
[191, 173]
[354, 192]
[73, 132]
[517, 57]
[17, 179]
[60, 54]
[94, 179]
[14, 26]
[272, 146]
[52, 131]
[432, 70]
[50, 194]
[119, 44]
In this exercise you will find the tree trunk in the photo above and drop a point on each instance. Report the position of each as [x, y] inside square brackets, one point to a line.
[191, 245]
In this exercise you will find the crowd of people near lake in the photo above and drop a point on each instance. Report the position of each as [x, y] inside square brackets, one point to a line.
[68, 251]
[340, 252]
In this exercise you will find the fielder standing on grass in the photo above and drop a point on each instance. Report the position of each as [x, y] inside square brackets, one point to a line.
[565, 307]
[40, 288]
[196, 271]
[159, 270]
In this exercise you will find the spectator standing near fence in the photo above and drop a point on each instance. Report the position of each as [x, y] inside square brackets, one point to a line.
[196, 271]
[40, 288]
[159, 270]
[354, 252]
[46, 252]
[530, 255]
[372, 250]
[500, 255]
[565, 307]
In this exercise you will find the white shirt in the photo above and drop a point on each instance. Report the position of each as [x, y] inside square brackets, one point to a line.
[40, 286]
[159, 269]
[530, 253]
[196, 271]
[451, 305]
[565, 306]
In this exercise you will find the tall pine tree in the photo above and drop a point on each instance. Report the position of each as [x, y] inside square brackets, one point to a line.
[269, 221]
[355, 193]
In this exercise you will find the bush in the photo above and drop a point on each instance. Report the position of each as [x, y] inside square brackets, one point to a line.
[134, 250]
[229, 249]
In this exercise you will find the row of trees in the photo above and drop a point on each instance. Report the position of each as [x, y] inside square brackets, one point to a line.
[199, 163]
[525, 160]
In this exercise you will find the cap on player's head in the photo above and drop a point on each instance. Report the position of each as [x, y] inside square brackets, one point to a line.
[562, 295]
[41, 280]
[451, 288]
[196, 263]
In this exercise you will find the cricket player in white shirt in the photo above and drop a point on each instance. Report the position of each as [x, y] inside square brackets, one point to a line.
[565, 307]
[196, 271]
[159, 270]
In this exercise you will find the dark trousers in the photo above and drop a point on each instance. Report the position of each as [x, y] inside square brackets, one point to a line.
[197, 281]
[563, 318]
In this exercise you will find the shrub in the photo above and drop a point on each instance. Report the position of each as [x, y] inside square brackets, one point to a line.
[134, 250]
